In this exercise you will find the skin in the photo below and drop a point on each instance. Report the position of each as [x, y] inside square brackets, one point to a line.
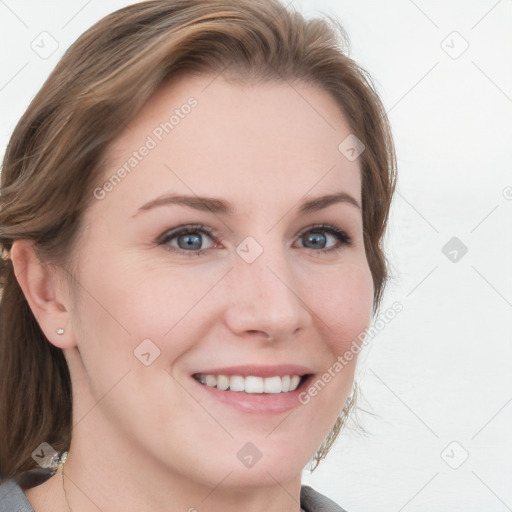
[144, 437]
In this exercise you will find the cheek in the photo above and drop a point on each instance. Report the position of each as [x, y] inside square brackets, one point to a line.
[343, 305]
[128, 301]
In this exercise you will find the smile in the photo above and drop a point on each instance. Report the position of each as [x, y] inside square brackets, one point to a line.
[255, 389]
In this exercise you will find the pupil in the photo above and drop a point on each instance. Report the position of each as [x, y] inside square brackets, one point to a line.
[317, 239]
[190, 241]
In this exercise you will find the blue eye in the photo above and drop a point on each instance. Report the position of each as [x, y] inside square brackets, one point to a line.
[316, 236]
[189, 239]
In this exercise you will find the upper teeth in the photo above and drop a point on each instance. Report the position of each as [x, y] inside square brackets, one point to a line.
[251, 384]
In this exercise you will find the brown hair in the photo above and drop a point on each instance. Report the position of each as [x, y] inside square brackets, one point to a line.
[57, 150]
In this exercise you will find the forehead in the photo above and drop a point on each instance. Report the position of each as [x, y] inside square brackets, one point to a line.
[205, 135]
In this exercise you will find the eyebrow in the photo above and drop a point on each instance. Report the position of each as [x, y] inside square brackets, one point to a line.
[222, 207]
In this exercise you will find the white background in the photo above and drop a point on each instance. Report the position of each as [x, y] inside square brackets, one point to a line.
[441, 371]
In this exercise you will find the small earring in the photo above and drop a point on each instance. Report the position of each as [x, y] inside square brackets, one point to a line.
[60, 331]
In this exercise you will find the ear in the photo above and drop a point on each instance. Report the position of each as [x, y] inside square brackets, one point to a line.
[44, 294]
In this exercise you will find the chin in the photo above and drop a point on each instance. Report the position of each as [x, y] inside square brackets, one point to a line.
[263, 474]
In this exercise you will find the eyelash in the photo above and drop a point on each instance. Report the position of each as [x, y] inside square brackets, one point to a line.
[340, 235]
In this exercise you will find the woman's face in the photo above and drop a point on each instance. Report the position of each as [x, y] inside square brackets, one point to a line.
[256, 285]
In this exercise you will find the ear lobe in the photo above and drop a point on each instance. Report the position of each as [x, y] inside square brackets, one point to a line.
[43, 293]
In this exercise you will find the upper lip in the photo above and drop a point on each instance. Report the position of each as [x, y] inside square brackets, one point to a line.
[258, 371]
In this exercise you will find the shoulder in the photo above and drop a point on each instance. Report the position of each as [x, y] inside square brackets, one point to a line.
[313, 501]
[12, 498]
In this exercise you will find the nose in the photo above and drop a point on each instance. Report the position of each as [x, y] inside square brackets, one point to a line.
[265, 299]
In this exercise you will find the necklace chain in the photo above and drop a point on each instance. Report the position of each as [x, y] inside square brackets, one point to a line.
[62, 463]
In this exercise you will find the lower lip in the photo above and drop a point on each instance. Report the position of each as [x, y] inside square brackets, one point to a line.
[272, 403]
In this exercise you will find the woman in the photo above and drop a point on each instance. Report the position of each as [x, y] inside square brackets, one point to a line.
[191, 218]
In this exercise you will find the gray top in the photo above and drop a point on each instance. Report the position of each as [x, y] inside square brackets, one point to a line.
[13, 499]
